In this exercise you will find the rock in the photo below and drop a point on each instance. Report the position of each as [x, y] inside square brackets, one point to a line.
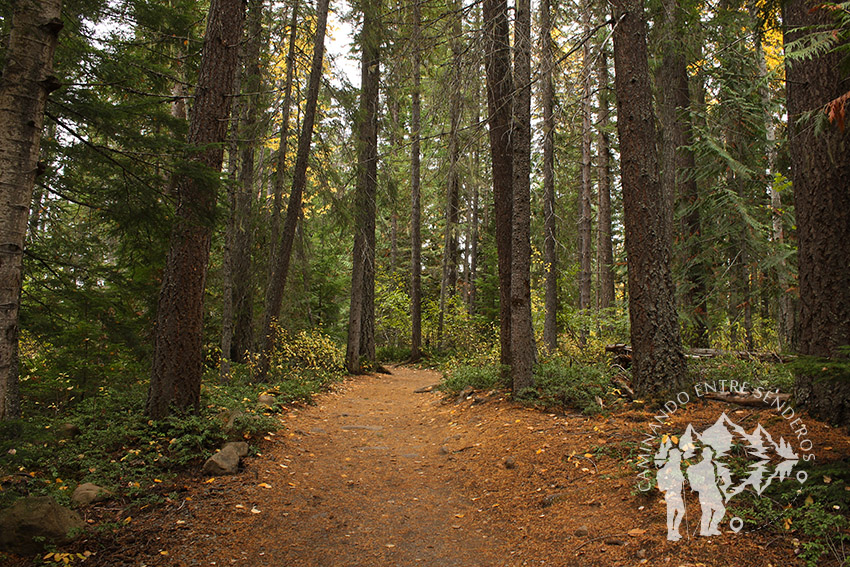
[365, 427]
[509, 462]
[68, 431]
[87, 493]
[425, 389]
[229, 418]
[614, 541]
[32, 522]
[550, 499]
[465, 393]
[266, 400]
[240, 447]
[444, 450]
[581, 531]
[641, 554]
[226, 461]
[479, 399]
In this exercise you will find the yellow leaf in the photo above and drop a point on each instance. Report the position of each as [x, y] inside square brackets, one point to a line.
[157, 480]
[675, 440]
[636, 532]
[128, 519]
[264, 485]
[787, 523]
[827, 479]
[163, 552]
[209, 481]
[48, 556]
[809, 499]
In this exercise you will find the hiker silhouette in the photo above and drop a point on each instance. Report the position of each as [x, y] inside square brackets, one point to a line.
[703, 480]
[671, 481]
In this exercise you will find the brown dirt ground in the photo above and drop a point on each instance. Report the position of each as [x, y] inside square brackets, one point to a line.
[377, 475]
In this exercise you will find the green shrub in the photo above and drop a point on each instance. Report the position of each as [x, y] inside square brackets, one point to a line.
[560, 382]
[768, 375]
[485, 377]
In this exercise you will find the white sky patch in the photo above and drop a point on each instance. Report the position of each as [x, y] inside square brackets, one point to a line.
[339, 45]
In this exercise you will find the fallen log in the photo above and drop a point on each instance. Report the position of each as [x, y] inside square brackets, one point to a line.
[623, 354]
[748, 399]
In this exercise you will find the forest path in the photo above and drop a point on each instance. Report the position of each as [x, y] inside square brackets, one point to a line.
[363, 478]
[377, 475]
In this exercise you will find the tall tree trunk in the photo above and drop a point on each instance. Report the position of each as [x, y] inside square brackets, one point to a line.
[678, 162]
[361, 338]
[415, 205]
[550, 256]
[285, 108]
[448, 283]
[784, 307]
[243, 287]
[227, 260]
[586, 193]
[522, 333]
[497, 61]
[820, 166]
[604, 243]
[658, 362]
[277, 283]
[178, 357]
[26, 81]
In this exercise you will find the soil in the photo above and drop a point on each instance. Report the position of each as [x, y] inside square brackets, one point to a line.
[376, 474]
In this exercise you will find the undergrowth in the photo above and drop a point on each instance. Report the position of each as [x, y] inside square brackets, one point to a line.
[70, 434]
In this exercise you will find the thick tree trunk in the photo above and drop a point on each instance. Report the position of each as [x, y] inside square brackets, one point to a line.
[415, 205]
[604, 243]
[448, 283]
[820, 166]
[659, 364]
[243, 287]
[277, 283]
[24, 85]
[678, 163]
[550, 255]
[522, 333]
[178, 357]
[361, 321]
[497, 61]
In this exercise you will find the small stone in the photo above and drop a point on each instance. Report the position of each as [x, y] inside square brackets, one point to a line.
[425, 389]
[465, 393]
[444, 450]
[550, 499]
[509, 462]
[226, 461]
[614, 541]
[266, 400]
[88, 493]
[240, 447]
[581, 531]
[641, 554]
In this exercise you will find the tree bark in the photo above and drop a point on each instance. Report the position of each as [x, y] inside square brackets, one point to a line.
[448, 283]
[659, 364]
[550, 256]
[522, 333]
[820, 166]
[243, 287]
[604, 244]
[178, 357]
[415, 204]
[26, 81]
[586, 193]
[678, 163]
[361, 321]
[497, 61]
[277, 283]
[280, 178]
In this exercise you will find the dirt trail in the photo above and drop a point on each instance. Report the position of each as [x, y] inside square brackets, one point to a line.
[377, 475]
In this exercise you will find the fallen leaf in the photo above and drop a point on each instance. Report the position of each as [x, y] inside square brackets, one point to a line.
[636, 532]
[264, 485]
[255, 510]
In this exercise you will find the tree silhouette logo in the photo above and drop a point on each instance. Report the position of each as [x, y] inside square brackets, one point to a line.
[703, 460]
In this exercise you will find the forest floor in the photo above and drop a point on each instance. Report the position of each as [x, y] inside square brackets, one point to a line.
[375, 474]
